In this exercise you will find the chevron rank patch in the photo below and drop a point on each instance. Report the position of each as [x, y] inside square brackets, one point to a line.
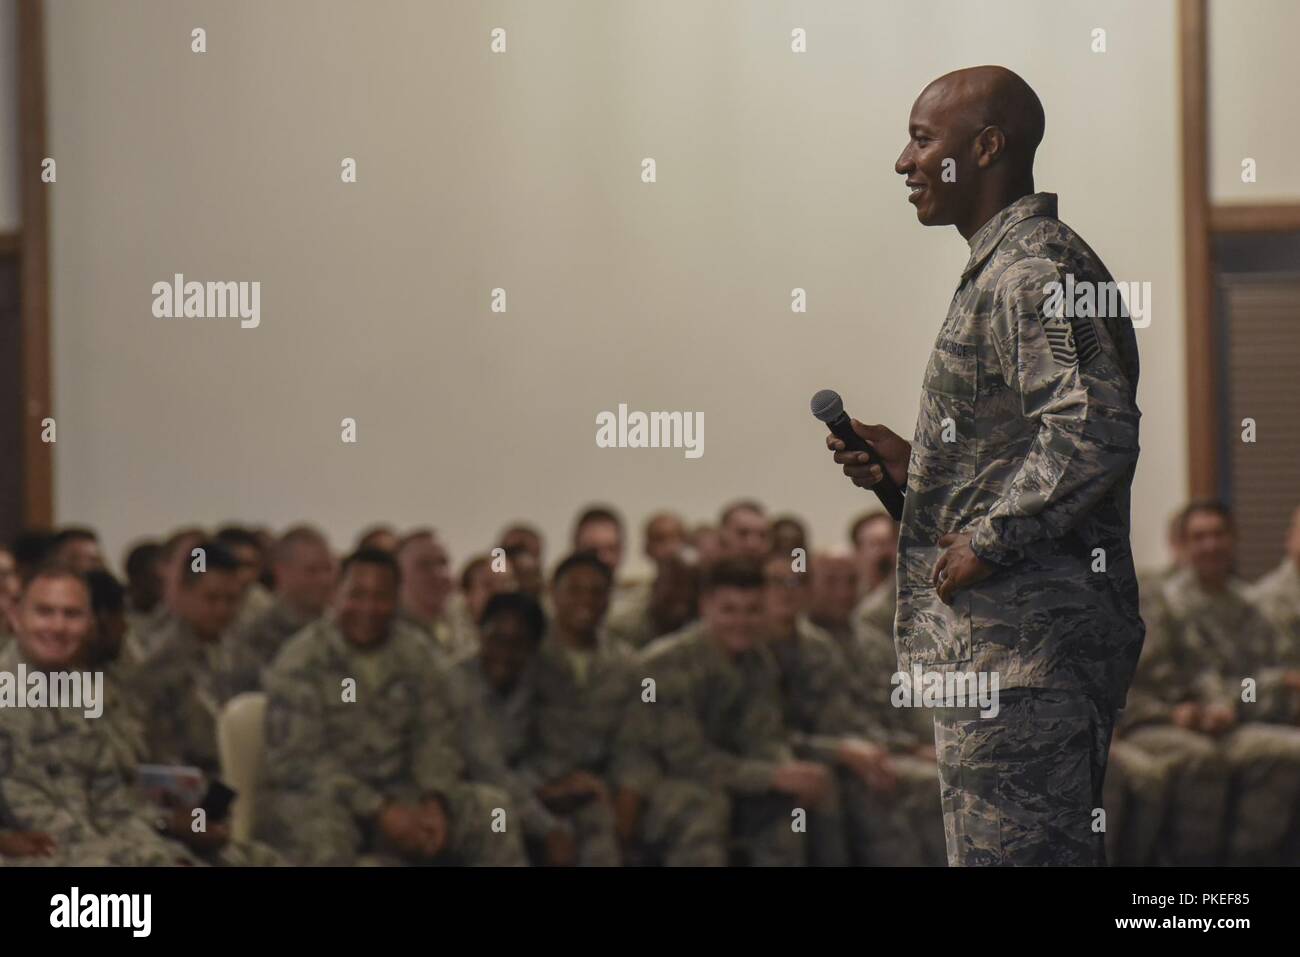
[1073, 341]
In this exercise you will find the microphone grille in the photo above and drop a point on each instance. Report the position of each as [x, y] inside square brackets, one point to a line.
[827, 405]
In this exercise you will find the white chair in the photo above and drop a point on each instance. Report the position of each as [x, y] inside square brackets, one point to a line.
[240, 744]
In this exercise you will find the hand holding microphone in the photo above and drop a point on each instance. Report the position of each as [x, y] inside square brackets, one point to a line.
[872, 456]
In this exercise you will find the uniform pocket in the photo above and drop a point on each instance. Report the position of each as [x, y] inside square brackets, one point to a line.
[944, 450]
[934, 633]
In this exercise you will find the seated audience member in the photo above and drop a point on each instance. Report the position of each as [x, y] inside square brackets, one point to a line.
[716, 723]
[1214, 691]
[363, 756]
[665, 536]
[380, 537]
[787, 534]
[304, 577]
[585, 684]
[178, 555]
[1277, 595]
[526, 571]
[500, 726]
[743, 531]
[246, 548]
[482, 577]
[673, 603]
[520, 535]
[183, 682]
[67, 797]
[77, 548]
[144, 577]
[863, 822]
[426, 592]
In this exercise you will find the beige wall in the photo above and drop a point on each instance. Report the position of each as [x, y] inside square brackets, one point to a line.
[1254, 74]
[521, 170]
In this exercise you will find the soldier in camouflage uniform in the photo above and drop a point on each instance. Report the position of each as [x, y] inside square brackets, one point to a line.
[361, 745]
[715, 722]
[907, 732]
[254, 598]
[1017, 488]
[672, 602]
[499, 723]
[62, 774]
[304, 578]
[586, 683]
[860, 823]
[176, 557]
[1226, 681]
[1277, 595]
[182, 684]
[427, 590]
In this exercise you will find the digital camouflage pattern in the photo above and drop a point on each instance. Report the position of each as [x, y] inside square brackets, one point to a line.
[1036, 465]
[66, 775]
[1277, 596]
[716, 732]
[331, 763]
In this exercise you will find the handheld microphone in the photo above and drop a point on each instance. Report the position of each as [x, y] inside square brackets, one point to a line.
[829, 408]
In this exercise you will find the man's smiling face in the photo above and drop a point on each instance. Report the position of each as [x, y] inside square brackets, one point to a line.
[53, 621]
[935, 133]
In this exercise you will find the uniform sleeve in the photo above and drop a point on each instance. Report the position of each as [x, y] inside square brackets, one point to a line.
[436, 763]
[633, 764]
[1085, 413]
[1159, 682]
[835, 717]
[298, 757]
[1274, 701]
[688, 752]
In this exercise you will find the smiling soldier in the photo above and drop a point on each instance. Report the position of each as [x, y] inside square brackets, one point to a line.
[1014, 552]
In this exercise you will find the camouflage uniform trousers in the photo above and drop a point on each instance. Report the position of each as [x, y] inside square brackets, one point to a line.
[594, 834]
[917, 797]
[1020, 788]
[763, 834]
[1137, 795]
[312, 830]
[855, 825]
[684, 824]
[1264, 761]
[1197, 793]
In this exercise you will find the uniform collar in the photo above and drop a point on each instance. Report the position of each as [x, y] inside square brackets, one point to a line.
[988, 236]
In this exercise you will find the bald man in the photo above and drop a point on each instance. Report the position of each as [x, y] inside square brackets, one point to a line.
[1014, 555]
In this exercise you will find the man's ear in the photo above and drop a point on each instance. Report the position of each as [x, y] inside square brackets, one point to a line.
[990, 145]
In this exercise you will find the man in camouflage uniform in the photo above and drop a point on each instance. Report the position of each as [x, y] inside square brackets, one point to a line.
[1224, 678]
[63, 775]
[246, 548]
[859, 822]
[427, 590]
[361, 745]
[304, 578]
[1014, 554]
[1277, 595]
[482, 577]
[907, 732]
[585, 685]
[672, 602]
[498, 728]
[715, 723]
[182, 684]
